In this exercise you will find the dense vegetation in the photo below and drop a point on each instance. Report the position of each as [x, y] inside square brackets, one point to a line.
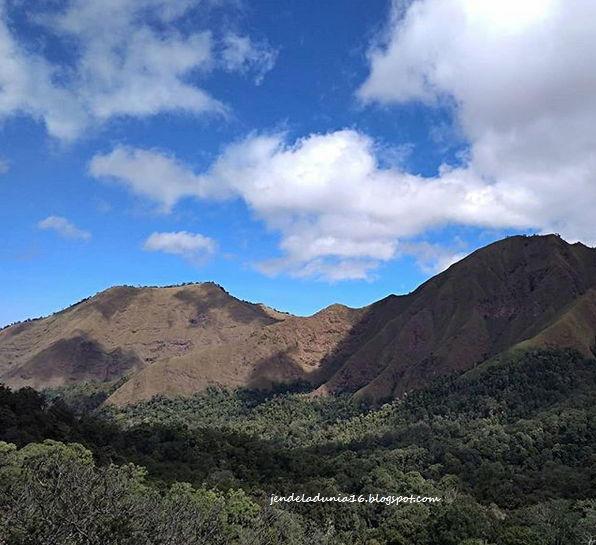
[510, 450]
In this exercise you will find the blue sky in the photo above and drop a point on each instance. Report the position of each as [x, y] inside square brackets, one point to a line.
[298, 153]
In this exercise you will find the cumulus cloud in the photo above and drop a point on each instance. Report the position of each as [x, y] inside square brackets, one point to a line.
[64, 228]
[194, 247]
[152, 174]
[520, 78]
[328, 268]
[340, 214]
[128, 58]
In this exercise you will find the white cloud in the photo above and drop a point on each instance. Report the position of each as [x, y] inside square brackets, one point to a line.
[338, 211]
[26, 87]
[241, 54]
[129, 58]
[64, 228]
[520, 76]
[157, 176]
[194, 247]
[4, 165]
[326, 268]
[434, 258]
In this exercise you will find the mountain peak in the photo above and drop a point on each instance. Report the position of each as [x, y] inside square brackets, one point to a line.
[122, 330]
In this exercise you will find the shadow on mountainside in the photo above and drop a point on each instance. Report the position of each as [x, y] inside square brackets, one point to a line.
[80, 358]
[294, 363]
[498, 297]
[218, 298]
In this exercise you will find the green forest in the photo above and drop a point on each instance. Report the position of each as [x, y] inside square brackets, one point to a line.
[510, 448]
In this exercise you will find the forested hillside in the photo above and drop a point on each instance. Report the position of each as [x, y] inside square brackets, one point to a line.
[509, 449]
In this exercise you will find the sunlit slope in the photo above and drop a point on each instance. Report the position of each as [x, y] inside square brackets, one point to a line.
[295, 349]
[123, 330]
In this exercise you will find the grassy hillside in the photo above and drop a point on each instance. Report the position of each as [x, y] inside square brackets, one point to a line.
[532, 290]
[521, 292]
[123, 330]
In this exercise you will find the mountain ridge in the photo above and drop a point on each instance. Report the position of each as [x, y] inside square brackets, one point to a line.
[520, 292]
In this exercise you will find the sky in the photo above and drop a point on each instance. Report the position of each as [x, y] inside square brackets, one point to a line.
[298, 153]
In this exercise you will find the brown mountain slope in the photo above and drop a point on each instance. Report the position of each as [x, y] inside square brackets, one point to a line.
[532, 290]
[575, 328]
[536, 290]
[298, 348]
[123, 330]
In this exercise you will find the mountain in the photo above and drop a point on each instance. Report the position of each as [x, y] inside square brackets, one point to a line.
[123, 330]
[521, 292]
[295, 349]
[518, 293]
